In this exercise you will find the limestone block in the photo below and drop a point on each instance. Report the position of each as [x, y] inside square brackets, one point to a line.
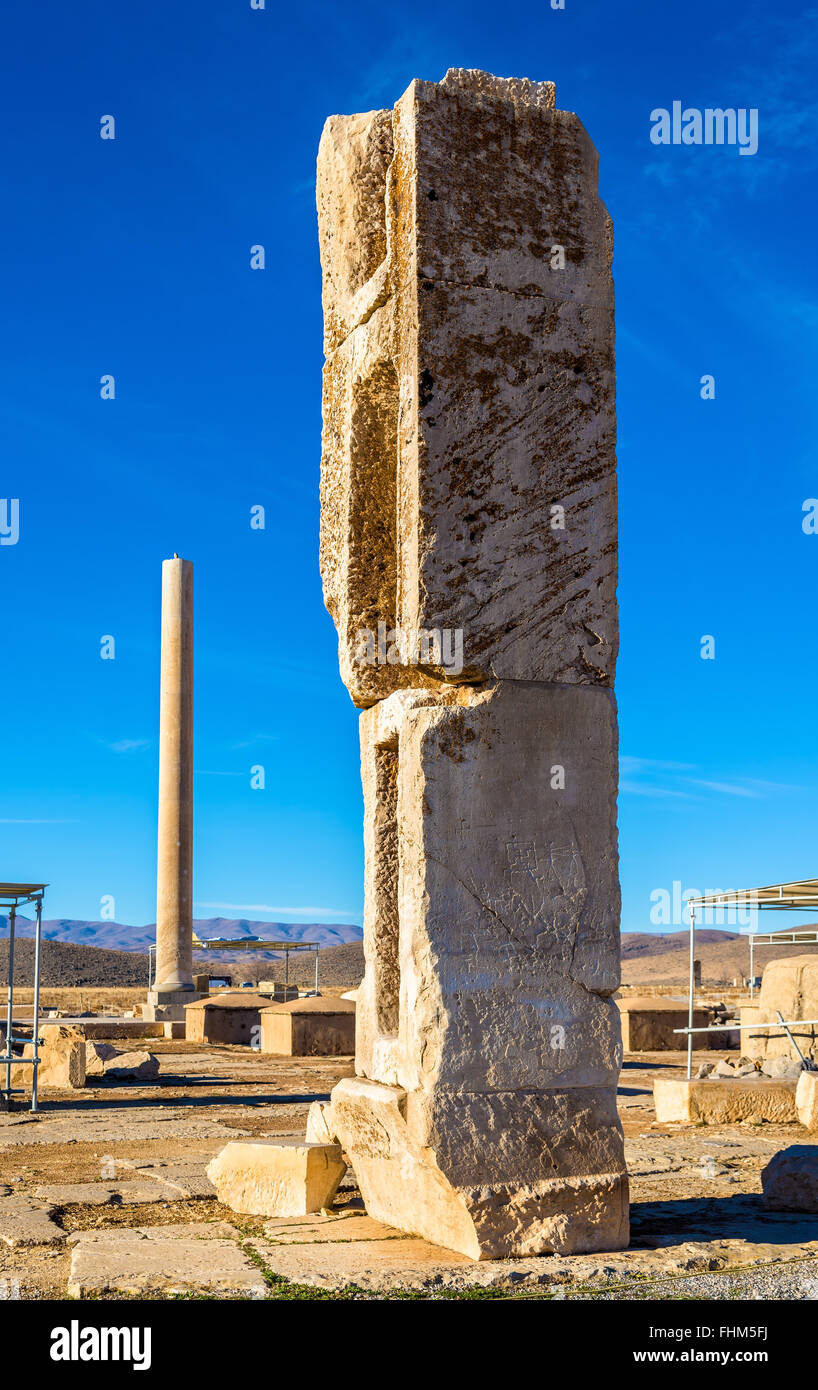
[166, 1263]
[782, 1067]
[791, 986]
[26, 1222]
[61, 1061]
[132, 1066]
[277, 1177]
[468, 474]
[677, 1100]
[318, 1117]
[806, 1099]
[479, 1180]
[491, 895]
[790, 1180]
[97, 1054]
[468, 536]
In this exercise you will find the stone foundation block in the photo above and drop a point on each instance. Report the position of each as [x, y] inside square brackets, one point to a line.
[677, 1100]
[277, 1177]
[806, 1099]
[547, 1177]
[790, 1180]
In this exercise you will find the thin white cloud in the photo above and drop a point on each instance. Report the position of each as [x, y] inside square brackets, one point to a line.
[255, 740]
[129, 745]
[645, 789]
[631, 764]
[728, 788]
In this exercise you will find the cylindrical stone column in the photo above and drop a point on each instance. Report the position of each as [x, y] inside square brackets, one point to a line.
[174, 874]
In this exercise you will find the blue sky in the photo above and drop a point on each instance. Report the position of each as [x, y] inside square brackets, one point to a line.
[131, 257]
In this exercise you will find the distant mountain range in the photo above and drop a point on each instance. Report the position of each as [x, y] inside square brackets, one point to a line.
[118, 936]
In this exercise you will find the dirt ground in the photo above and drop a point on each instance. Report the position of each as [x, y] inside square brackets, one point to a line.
[695, 1190]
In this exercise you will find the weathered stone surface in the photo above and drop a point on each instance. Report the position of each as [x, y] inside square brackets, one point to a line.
[61, 1061]
[100, 1194]
[328, 1228]
[174, 871]
[468, 497]
[515, 897]
[277, 1177]
[806, 1099]
[185, 1230]
[26, 1222]
[131, 1264]
[410, 1263]
[175, 1179]
[97, 1054]
[318, 1130]
[469, 385]
[790, 1180]
[552, 1181]
[132, 1066]
[791, 986]
[785, 1068]
[724, 1101]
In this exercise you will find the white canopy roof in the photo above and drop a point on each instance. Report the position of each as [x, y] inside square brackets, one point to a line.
[803, 894]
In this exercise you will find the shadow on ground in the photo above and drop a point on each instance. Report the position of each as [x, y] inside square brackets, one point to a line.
[737, 1217]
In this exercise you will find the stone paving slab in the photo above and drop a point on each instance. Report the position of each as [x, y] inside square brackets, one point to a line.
[108, 1127]
[183, 1178]
[132, 1264]
[188, 1230]
[25, 1222]
[410, 1263]
[302, 1230]
[100, 1194]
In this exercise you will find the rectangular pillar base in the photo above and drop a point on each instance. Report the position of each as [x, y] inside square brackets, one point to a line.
[677, 1100]
[168, 1006]
[494, 1214]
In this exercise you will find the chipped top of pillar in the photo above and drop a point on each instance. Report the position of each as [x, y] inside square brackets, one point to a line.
[468, 485]
[522, 91]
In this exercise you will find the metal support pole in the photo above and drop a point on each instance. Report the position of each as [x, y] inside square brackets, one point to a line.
[316, 969]
[793, 1043]
[10, 1000]
[752, 967]
[286, 969]
[692, 973]
[35, 1036]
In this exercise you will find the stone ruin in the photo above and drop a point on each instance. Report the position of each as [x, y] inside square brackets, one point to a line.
[468, 555]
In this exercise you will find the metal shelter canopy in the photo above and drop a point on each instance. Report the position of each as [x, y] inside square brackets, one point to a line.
[796, 895]
[801, 893]
[12, 896]
[250, 943]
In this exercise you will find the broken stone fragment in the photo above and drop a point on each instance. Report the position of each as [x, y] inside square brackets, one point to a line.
[96, 1056]
[790, 1180]
[277, 1177]
[788, 1068]
[806, 1099]
[132, 1066]
[61, 1061]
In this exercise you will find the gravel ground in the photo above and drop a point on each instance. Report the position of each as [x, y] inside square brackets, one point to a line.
[791, 1282]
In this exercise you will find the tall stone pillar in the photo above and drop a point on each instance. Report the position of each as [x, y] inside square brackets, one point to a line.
[173, 985]
[468, 555]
